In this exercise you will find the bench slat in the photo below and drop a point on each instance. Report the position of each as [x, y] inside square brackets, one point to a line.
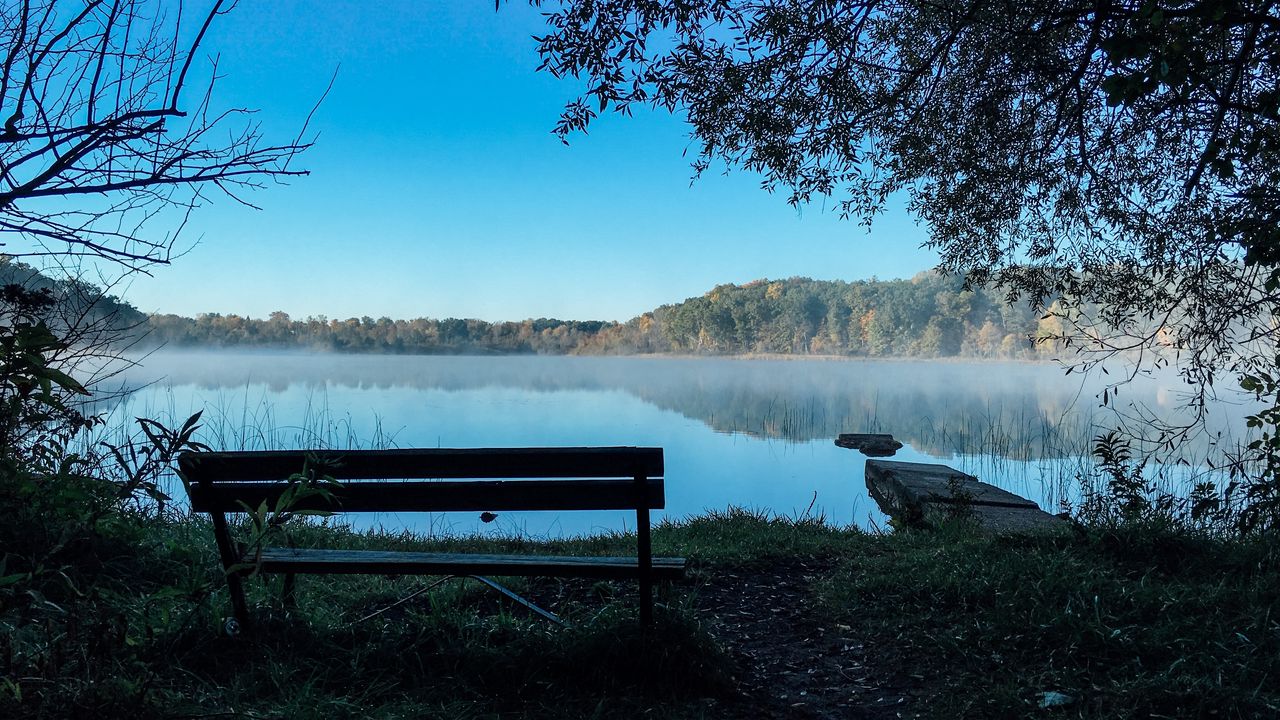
[422, 463]
[378, 562]
[442, 496]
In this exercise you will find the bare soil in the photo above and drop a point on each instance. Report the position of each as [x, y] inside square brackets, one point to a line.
[793, 662]
[790, 660]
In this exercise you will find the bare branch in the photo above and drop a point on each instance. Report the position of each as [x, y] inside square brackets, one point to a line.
[143, 153]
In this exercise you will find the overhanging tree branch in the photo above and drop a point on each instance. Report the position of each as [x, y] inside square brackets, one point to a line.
[93, 95]
[1118, 157]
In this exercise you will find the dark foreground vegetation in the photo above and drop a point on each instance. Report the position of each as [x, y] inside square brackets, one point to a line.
[780, 618]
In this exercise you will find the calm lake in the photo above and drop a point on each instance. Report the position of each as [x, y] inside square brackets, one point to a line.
[755, 434]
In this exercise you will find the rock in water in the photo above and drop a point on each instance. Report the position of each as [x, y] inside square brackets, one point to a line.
[870, 444]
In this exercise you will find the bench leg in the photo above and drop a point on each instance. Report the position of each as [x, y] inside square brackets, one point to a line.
[286, 593]
[238, 604]
[230, 557]
[646, 602]
[644, 556]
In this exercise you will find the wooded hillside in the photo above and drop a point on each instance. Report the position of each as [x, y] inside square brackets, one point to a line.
[929, 315]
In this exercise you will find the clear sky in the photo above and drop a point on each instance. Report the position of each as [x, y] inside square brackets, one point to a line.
[437, 189]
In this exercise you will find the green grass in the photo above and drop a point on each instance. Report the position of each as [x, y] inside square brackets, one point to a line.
[1130, 623]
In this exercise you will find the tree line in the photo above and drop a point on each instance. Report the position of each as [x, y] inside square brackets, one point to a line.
[929, 315]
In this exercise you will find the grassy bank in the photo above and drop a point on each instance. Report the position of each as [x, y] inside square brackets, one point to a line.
[778, 618]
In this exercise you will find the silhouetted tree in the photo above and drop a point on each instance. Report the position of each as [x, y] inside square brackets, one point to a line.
[102, 133]
[1119, 153]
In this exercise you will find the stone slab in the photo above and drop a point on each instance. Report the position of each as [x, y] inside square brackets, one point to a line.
[921, 494]
[926, 482]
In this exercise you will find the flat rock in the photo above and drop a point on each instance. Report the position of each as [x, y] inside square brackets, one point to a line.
[923, 494]
[870, 444]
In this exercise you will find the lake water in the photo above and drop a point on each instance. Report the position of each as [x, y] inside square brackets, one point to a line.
[755, 434]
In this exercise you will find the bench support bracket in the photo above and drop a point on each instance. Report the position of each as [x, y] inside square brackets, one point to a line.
[521, 601]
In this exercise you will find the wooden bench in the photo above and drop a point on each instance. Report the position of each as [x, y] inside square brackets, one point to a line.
[435, 480]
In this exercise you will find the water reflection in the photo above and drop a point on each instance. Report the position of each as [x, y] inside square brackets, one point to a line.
[1014, 410]
[749, 433]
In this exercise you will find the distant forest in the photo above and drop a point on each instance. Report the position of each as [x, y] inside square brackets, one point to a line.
[930, 315]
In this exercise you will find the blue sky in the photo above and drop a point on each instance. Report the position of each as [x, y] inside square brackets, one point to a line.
[438, 190]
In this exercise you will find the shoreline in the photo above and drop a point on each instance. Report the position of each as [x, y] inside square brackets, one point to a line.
[298, 351]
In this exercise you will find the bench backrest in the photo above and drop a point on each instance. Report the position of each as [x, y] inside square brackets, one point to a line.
[433, 480]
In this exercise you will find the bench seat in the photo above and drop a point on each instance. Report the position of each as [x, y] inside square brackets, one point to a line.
[385, 562]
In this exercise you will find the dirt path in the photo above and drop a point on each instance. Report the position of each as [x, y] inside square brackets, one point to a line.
[791, 663]
[790, 660]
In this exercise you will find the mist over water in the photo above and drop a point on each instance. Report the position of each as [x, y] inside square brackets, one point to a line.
[750, 433]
